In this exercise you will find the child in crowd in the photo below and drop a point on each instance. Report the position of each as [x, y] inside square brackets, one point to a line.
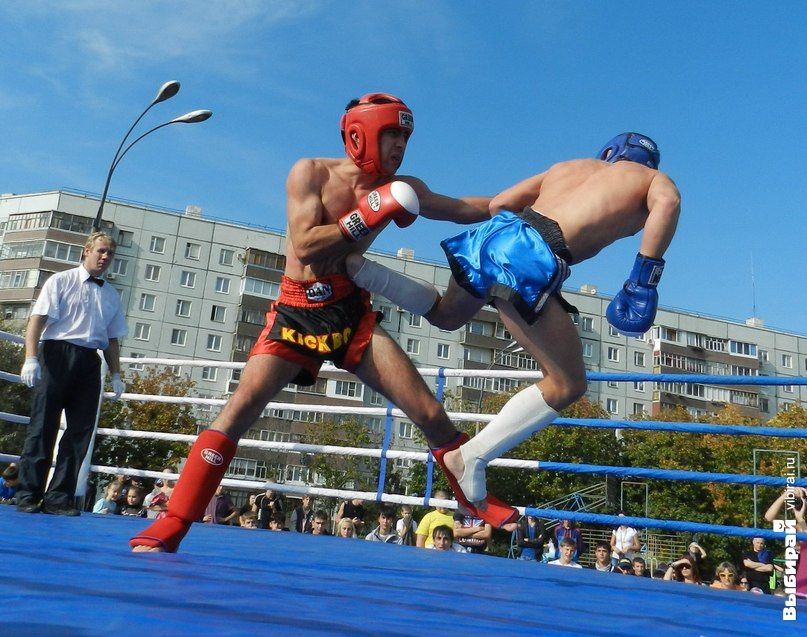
[8, 484]
[134, 503]
[108, 504]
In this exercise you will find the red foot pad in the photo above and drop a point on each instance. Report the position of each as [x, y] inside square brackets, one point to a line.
[166, 533]
[496, 513]
[207, 462]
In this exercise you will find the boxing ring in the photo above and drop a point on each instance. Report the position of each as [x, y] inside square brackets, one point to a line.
[76, 576]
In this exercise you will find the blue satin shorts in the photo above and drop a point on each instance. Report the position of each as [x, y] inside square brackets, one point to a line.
[509, 257]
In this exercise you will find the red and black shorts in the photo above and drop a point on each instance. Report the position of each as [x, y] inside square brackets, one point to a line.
[327, 319]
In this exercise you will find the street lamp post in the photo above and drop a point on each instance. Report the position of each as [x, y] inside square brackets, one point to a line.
[166, 91]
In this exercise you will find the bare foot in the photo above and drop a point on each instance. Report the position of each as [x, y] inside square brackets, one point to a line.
[140, 548]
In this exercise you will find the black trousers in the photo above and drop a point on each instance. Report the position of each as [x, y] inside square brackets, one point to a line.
[71, 382]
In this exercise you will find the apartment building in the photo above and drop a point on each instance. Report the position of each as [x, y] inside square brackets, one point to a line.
[198, 288]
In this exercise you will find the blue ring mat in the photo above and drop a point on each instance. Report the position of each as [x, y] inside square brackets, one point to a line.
[76, 576]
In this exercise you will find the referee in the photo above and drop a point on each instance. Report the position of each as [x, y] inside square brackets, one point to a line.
[75, 315]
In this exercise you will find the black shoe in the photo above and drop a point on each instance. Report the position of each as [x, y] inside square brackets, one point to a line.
[28, 507]
[60, 509]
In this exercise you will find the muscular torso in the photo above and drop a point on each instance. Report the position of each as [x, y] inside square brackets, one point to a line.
[595, 203]
[339, 192]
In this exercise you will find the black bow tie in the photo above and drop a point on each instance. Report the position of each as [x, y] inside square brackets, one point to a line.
[96, 280]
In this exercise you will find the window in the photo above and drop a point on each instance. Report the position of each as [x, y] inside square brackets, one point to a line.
[386, 313]
[244, 343]
[176, 370]
[62, 251]
[187, 279]
[501, 332]
[348, 388]
[587, 323]
[612, 331]
[22, 249]
[267, 260]
[415, 320]
[638, 386]
[18, 279]
[222, 285]
[480, 327]
[788, 389]
[405, 430]
[255, 317]
[638, 359]
[142, 331]
[218, 313]
[443, 350]
[147, 302]
[183, 308]
[226, 256]
[192, 251]
[157, 245]
[257, 287]
[119, 266]
[376, 398]
[613, 354]
[764, 404]
[214, 342]
[787, 361]
[210, 373]
[138, 367]
[612, 406]
[179, 337]
[613, 384]
[638, 409]
[763, 356]
[588, 350]
[125, 238]
[413, 346]
[153, 272]
[743, 349]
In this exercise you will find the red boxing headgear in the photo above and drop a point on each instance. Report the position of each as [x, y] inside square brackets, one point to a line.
[374, 113]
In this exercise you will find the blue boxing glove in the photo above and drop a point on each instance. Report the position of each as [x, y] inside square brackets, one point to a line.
[634, 307]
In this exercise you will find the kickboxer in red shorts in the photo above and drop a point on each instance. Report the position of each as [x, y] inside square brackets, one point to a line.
[335, 207]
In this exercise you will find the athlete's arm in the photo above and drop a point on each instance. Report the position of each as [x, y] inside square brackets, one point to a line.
[519, 196]
[471, 209]
[311, 234]
[664, 206]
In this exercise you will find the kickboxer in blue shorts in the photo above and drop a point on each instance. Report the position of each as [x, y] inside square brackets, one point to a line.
[518, 261]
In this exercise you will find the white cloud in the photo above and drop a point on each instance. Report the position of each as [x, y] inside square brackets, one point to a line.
[123, 36]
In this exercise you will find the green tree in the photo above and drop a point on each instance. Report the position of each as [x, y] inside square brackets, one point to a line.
[339, 471]
[146, 416]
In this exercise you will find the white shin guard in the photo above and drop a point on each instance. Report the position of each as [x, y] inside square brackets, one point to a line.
[522, 415]
[414, 295]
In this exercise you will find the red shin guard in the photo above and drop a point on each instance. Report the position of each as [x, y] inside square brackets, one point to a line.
[496, 513]
[207, 462]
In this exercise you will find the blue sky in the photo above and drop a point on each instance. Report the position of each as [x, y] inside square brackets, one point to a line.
[499, 91]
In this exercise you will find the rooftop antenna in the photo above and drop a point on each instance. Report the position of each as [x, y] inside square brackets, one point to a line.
[753, 288]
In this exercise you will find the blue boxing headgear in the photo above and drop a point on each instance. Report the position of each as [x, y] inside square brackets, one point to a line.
[631, 147]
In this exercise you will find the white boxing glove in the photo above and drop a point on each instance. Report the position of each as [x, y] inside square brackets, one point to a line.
[31, 372]
[117, 386]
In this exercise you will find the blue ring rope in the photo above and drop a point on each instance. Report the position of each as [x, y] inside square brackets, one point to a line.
[684, 427]
[669, 474]
[696, 378]
[671, 525]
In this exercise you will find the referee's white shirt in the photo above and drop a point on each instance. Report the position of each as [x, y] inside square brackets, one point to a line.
[80, 311]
